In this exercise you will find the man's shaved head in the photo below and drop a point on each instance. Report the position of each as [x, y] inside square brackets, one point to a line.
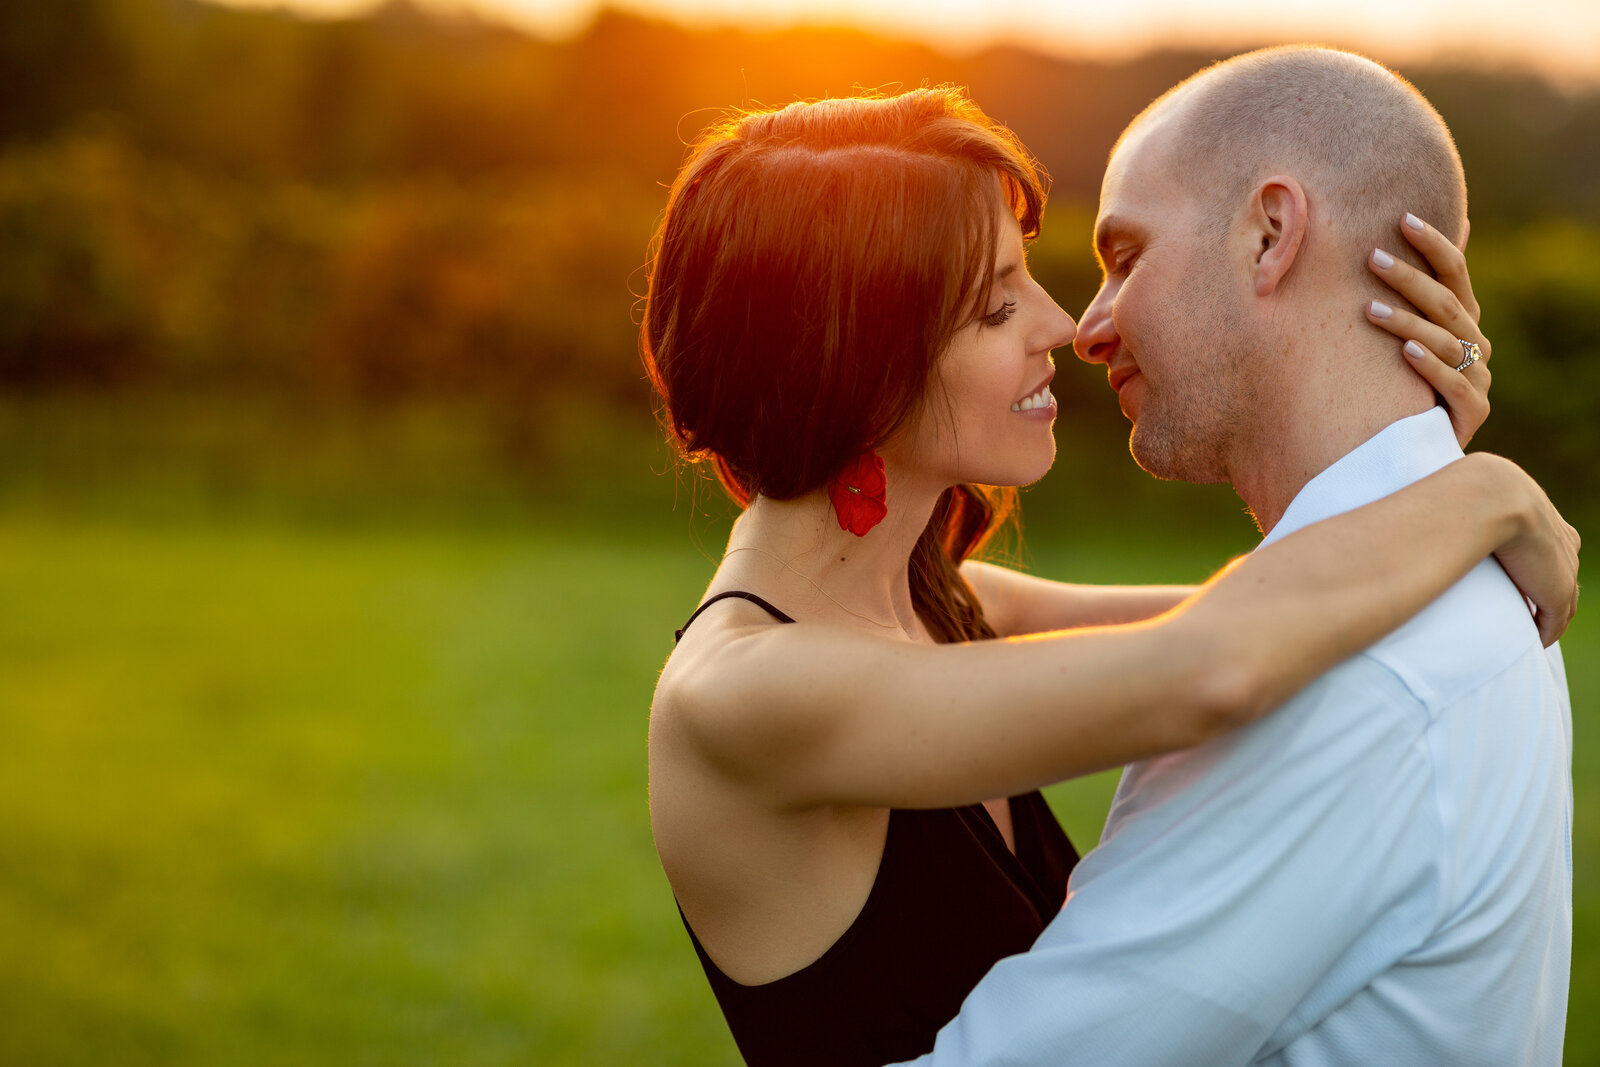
[1361, 140]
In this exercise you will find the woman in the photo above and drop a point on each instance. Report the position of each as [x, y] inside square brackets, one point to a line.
[822, 325]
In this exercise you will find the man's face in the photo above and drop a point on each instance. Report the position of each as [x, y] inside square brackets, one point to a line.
[1168, 321]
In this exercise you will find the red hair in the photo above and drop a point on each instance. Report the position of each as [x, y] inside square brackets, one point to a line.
[813, 263]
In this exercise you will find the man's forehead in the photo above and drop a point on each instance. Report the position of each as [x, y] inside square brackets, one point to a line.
[1123, 197]
[1135, 182]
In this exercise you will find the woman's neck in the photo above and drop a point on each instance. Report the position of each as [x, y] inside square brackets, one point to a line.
[804, 549]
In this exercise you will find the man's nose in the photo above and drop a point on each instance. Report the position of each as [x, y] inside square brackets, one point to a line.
[1097, 334]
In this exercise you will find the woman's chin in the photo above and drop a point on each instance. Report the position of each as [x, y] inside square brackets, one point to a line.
[1022, 474]
[1046, 461]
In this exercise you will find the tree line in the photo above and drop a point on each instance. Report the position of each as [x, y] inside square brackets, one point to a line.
[410, 204]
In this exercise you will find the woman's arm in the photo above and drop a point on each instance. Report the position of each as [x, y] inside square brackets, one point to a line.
[1015, 603]
[812, 715]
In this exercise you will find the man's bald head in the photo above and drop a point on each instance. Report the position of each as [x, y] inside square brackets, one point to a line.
[1362, 141]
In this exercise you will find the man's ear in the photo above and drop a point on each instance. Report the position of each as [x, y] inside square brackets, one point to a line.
[1278, 216]
[1466, 231]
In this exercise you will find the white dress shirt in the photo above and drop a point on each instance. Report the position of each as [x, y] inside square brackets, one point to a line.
[1379, 872]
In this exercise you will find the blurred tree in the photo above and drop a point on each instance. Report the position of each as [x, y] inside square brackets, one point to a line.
[1540, 291]
[367, 209]
[58, 60]
[74, 282]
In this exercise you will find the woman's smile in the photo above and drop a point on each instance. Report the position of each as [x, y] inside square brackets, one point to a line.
[1043, 409]
[1038, 403]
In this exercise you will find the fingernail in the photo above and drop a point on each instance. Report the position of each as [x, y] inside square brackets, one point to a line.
[1414, 222]
[1380, 310]
[1383, 259]
[1414, 350]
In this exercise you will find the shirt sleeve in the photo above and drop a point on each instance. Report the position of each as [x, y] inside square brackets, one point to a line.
[1242, 891]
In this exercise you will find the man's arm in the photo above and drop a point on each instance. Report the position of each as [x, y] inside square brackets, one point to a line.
[1243, 891]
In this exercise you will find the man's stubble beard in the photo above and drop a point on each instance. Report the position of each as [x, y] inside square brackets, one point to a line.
[1190, 423]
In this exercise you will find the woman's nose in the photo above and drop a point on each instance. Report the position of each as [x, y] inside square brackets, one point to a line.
[1056, 328]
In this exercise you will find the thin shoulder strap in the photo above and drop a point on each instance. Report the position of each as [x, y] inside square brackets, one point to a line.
[757, 601]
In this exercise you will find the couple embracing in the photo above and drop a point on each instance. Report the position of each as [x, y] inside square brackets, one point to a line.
[1343, 834]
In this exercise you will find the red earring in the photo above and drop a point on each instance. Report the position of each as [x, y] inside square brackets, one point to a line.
[858, 492]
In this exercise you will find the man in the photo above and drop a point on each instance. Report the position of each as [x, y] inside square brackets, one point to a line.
[1379, 872]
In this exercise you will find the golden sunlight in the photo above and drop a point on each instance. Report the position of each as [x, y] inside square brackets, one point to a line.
[1558, 38]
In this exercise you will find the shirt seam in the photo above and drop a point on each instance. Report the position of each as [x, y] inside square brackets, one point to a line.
[1427, 744]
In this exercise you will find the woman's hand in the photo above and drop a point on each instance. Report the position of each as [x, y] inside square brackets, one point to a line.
[1542, 558]
[1433, 344]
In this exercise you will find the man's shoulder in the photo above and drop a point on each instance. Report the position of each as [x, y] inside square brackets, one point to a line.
[1478, 629]
[1370, 706]
[1329, 732]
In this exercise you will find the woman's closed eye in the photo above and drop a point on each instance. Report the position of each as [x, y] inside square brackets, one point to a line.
[1001, 314]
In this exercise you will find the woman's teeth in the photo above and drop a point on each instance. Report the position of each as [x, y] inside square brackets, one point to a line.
[1041, 399]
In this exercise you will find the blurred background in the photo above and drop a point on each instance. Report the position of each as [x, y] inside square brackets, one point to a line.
[338, 547]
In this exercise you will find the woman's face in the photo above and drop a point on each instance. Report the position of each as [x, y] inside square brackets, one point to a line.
[989, 411]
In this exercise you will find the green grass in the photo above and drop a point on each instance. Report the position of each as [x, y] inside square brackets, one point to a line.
[279, 792]
[271, 795]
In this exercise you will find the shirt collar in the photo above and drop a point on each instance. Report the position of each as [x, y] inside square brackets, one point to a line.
[1403, 452]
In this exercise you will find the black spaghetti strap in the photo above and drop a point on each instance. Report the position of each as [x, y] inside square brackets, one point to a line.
[757, 601]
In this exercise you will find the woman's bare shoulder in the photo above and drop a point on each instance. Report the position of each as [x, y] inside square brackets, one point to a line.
[717, 667]
[774, 704]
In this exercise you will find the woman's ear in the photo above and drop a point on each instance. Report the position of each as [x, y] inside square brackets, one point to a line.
[1278, 214]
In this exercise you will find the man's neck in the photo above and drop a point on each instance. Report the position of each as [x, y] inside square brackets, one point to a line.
[1324, 411]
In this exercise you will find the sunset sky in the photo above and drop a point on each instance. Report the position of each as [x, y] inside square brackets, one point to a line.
[1558, 37]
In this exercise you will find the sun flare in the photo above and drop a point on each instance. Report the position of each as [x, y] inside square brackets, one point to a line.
[1558, 38]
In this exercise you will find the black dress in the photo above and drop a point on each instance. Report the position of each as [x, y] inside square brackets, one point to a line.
[949, 901]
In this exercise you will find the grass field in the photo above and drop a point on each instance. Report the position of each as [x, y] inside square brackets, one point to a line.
[277, 792]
